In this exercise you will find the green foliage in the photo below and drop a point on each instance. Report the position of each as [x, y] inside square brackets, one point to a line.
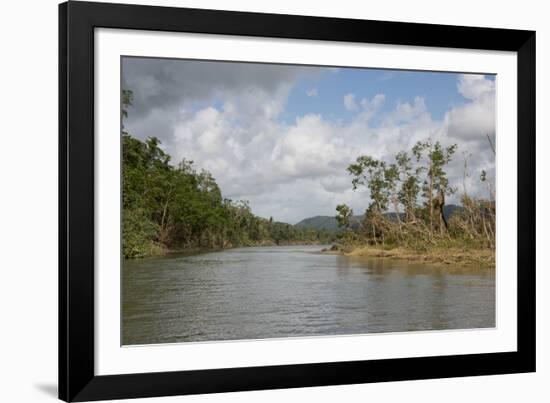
[370, 172]
[344, 216]
[139, 232]
[416, 186]
[167, 207]
[127, 97]
[410, 187]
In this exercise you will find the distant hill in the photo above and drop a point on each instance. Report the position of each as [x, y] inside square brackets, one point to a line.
[450, 209]
[325, 222]
[329, 223]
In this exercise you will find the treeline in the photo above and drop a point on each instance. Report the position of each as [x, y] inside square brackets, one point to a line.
[407, 201]
[169, 207]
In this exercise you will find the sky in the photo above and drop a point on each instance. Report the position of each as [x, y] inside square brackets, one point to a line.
[282, 136]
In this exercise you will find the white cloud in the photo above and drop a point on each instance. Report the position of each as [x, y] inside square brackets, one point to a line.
[474, 120]
[405, 111]
[163, 87]
[349, 102]
[335, 183]
[373, 104]
[365, 106]
[312, 92]
[475, 86]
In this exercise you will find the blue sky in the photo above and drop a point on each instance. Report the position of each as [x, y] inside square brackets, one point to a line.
[282, 136]
[439, 89]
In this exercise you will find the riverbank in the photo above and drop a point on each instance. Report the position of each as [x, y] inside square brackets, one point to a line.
[446, 256]
[159, 250]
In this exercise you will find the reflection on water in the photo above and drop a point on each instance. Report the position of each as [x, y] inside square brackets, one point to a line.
[289, 291]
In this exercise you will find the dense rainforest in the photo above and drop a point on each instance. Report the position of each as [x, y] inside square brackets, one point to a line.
[167, 207]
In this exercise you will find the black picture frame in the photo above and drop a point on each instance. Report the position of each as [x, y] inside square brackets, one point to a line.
[77, 378]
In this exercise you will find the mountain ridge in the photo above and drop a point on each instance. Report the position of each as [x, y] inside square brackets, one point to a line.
[329, 223]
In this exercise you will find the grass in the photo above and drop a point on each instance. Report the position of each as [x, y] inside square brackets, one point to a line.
[452, 254]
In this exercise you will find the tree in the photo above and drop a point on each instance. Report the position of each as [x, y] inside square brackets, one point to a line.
[127, 97]
[440, 157]
[408, 192]
[370, 173]
[427, 187]
[391, 177]
[177, 207]
[436, 185]
[344, 216]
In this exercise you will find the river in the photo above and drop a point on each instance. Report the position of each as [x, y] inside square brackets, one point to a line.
[289, 291]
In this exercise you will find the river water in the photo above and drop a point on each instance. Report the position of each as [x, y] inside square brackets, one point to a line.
[289, 291]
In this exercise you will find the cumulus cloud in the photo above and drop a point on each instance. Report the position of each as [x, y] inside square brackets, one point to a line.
[374, 103]
[165, 89]
[474, 120]
[475, 86]
[228, 120]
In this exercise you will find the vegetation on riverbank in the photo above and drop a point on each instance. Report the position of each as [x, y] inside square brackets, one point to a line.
[454, 255]
[177, 208]
[405, 217]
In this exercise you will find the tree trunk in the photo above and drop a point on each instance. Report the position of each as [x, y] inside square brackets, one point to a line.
[442, 214]
[410, 208]
[396, 209]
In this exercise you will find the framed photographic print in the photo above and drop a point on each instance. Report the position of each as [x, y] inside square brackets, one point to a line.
[254, 201]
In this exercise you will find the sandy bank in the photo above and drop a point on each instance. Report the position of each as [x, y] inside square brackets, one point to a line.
[467, 257]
